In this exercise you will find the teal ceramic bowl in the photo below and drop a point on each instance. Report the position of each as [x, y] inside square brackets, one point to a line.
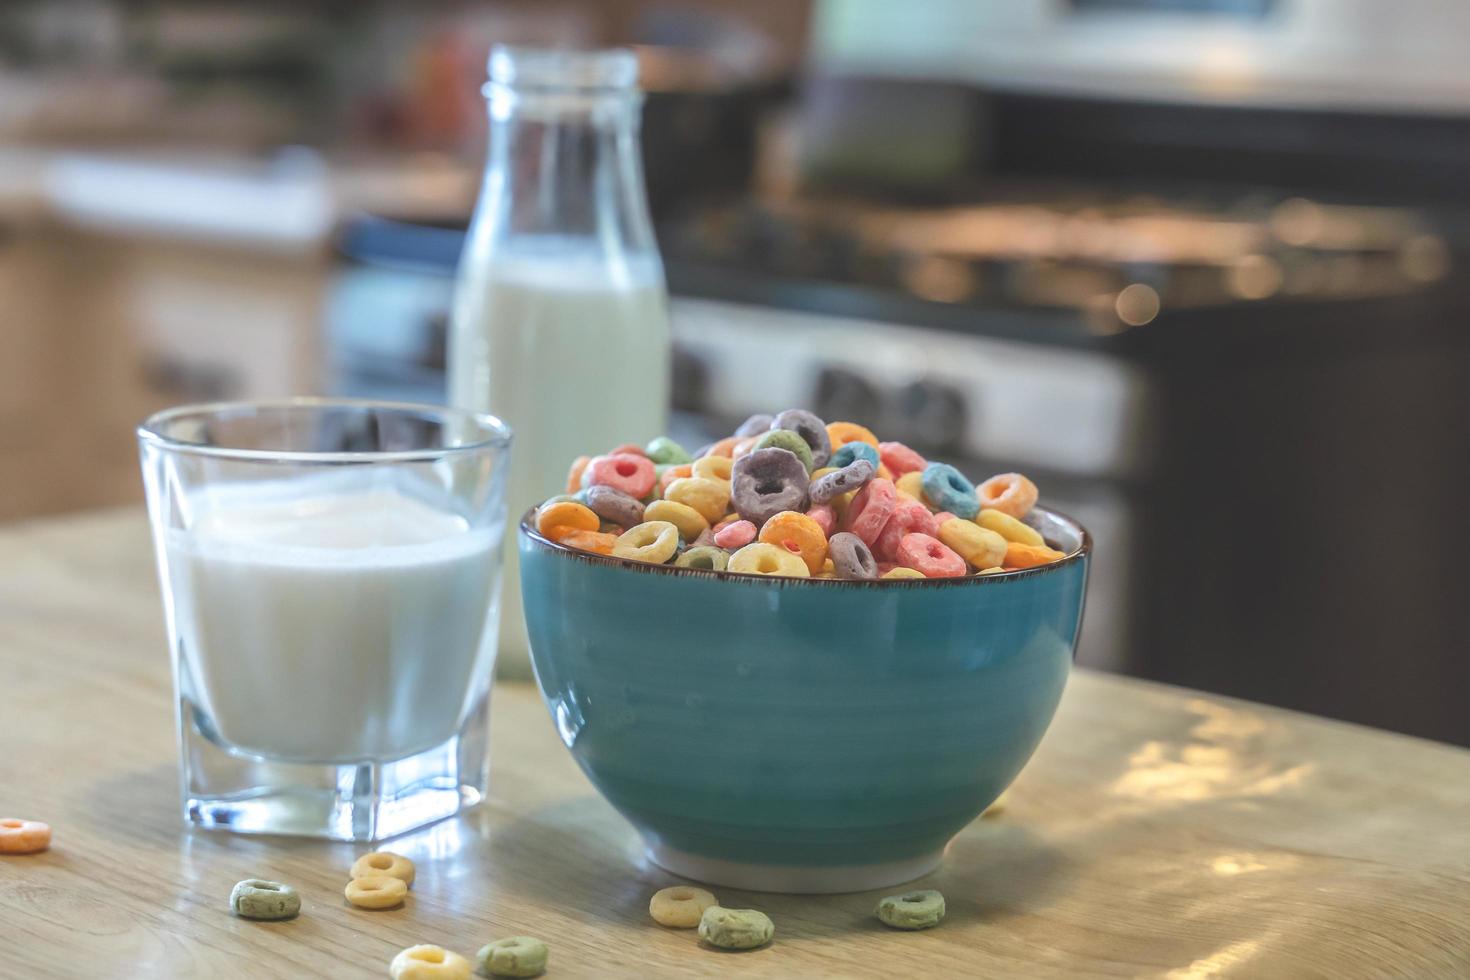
[799, 735]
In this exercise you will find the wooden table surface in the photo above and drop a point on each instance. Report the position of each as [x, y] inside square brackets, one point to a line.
[1157, 833]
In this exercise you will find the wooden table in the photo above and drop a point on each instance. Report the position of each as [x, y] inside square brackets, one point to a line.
[1157, 833]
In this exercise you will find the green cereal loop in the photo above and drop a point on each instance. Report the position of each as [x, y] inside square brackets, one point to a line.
[256, 898]
[735, 928]
[704, 556]
[667, 451]
[788, 440]
[912, 910]
[518, 956]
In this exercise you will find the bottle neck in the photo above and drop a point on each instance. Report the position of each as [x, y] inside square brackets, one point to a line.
[564, 165]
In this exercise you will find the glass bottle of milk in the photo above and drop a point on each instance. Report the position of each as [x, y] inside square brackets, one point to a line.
[560, 323]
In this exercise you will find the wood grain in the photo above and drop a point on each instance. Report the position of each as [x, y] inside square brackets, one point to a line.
[1157, 833]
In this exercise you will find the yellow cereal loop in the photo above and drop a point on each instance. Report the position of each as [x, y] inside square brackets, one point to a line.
[1009, 528]
[652, 541]
[384, 863]
[898, 571]
[376, 892]
[717, 468]
[680, 907]
[427, 962]
[980, 547]
[710, 497]
[760, 558]
[911, 485]
[690, 522]
[996, 570]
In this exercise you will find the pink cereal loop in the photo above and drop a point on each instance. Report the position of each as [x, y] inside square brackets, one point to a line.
[870, 509]
[825, 517]
[931, 556]
[1009, 493]
[909, 517]
[634, 475]
[900, 459]
[736, 534]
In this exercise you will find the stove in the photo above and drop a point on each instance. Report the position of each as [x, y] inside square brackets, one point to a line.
[1110, 346]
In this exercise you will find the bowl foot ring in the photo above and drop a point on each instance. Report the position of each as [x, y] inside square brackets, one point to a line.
[792, 879]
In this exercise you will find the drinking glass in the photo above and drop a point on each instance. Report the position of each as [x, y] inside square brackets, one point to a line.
[330, 578]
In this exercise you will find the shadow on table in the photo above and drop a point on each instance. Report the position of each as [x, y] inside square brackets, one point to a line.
[994, 871]
[149, 797]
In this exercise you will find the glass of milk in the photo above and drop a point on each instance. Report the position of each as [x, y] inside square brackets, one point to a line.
[330, 573]
[560, 321]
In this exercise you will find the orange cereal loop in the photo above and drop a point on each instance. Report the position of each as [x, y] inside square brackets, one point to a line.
[598, 542]
[19, 836]
[744, 446]
[565, 515]
[674, 473]
[798, 534]
[1029, 555]
[725, 447]
[574, 475]
[1009, 493]
[841, 433]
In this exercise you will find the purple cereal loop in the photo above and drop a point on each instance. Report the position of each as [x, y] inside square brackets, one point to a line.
[850, 477]
[851, 559]
[813, 432]
[614, 506]
[754, 426]
[765, 482]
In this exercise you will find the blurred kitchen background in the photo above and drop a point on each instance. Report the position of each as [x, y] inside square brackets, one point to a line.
[1197, 266]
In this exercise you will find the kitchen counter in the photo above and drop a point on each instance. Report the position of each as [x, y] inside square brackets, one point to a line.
[1158, 832]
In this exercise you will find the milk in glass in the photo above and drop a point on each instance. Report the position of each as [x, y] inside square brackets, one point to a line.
[335, 627]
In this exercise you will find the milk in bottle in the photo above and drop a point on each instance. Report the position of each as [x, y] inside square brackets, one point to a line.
[560, 325]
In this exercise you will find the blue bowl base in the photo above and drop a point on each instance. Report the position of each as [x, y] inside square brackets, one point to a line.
[792, 879]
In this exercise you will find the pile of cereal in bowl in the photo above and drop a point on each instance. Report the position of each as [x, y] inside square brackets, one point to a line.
[790, 495]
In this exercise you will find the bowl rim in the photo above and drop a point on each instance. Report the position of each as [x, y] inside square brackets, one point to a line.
[527, 530]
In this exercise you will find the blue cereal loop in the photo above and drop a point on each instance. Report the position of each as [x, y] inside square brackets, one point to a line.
[854, 451]
[947, 489]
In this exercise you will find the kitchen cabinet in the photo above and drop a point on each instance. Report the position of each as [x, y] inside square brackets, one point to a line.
[101, 329]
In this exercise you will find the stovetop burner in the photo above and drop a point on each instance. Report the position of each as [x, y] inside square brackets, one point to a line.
[1117, 260]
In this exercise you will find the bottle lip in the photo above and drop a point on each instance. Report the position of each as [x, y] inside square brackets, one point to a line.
[562, 69]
